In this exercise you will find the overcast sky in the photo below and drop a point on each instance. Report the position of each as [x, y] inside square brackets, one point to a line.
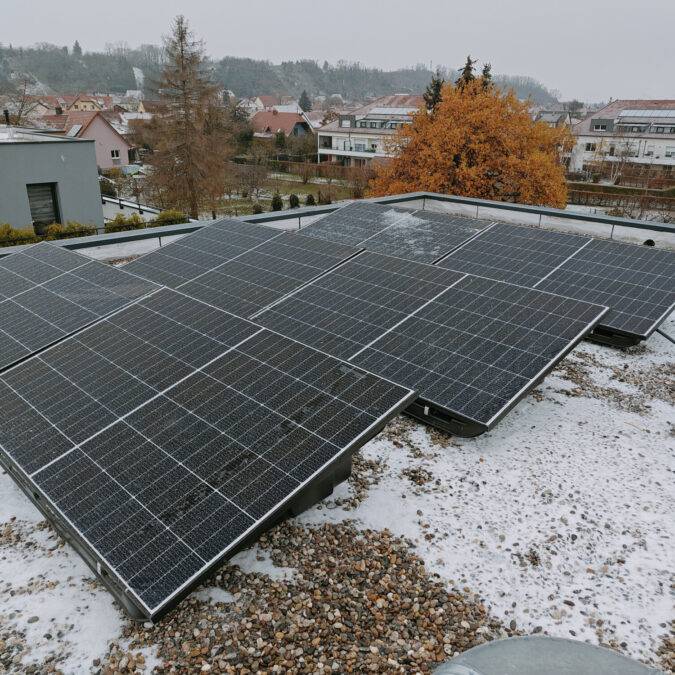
[588, 49]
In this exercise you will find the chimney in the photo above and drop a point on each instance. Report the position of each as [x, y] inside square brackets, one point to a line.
[5, 112]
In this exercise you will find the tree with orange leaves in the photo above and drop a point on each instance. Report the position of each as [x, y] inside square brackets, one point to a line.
[477, 142]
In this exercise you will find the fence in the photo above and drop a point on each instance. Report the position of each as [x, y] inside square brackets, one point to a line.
[630, 202]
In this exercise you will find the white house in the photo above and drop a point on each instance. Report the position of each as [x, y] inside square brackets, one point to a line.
[637, 132]
[358, 137]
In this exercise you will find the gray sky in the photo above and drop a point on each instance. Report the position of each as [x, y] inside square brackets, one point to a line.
[589, 49]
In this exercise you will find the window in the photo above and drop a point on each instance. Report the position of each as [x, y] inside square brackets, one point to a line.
[360, 147]
[115, 154]
[373, 125]
[362, 125]
[612, 150]
[590, 147]
[345, 123]
[670, 150]
[660, 130]
[599, 127]
[44, 205]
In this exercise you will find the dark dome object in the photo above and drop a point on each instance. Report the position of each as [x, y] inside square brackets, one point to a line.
[540, 655]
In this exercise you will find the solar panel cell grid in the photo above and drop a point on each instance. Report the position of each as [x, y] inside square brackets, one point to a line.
[517, 255]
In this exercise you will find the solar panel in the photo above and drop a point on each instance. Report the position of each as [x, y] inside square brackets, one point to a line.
[517, 255]
[412, 234]
[197, 253]
[162, 456]
[470, 346]
[47, 293]
[350, 307]
[262, 275]
[636, 282]
[475, 350]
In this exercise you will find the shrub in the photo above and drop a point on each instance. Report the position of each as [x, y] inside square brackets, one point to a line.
[170, 217]
[120, 223]
[257, 208]
[72, 229]
[294, 202]
[107, 188]
[309, 200]
[277, 202]
[10, 236]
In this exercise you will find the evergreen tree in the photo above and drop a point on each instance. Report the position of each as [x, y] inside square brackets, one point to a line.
[305, 102]
[293, 201]
[277, 202]
[189, 168]
[432, 95]
[309, 200]
[77, 50]
[466, 75]
[486, 76]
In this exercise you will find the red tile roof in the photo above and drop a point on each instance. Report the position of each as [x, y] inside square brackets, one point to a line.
[273, 121]
[64, 123]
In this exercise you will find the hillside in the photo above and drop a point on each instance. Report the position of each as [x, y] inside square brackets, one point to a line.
[57, 69]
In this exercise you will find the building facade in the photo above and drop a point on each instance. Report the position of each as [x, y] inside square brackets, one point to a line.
[52, 180]
[627, 132]
[358, 137]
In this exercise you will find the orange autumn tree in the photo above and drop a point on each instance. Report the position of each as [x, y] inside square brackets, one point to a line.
[477, 142]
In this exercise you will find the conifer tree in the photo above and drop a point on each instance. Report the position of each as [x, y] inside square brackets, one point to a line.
[467, 73]
[189, 156]
[486, 76]
[77, 50]
[305, 102]
[432, 95]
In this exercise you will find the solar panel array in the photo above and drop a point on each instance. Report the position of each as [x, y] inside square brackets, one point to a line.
[164, 429]
[471, 346]
[165, 434]
[47, 293]
[415, 235]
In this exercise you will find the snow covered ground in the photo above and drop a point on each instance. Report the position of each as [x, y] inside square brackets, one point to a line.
[561, 519]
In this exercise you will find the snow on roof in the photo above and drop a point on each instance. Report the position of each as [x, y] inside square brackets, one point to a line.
[561, 518]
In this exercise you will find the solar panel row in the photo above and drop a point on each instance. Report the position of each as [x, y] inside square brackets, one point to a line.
[415, 235]
[637, 283]
[164, 435]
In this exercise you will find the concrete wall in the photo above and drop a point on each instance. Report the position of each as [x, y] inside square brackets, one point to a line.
[69, 164]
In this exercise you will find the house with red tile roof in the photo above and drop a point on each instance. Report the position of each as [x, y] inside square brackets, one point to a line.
[112, 149]
[267, 124]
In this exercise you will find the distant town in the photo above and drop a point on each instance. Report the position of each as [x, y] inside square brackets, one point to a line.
[282, 151]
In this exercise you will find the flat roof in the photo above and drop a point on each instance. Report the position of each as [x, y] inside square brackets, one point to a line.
[23, 135]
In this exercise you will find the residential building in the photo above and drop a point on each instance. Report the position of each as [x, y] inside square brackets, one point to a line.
[554, 118]
[52, 179]
[112, 149]
[357, 137]
[266, 124]
[151, 107]
[640, 133]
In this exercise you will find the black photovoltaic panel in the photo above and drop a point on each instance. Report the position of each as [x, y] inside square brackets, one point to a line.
[350, 307]
[261, 276]
[636, 282]
[418, 235]
[470, 346]
[47, 293]
[199, 252]
[517, 255]
[480, 346]
[160, 455]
